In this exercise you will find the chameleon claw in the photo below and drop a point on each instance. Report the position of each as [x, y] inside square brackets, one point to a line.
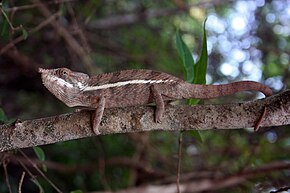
[96, 131]
[157, 120]
[157, 117]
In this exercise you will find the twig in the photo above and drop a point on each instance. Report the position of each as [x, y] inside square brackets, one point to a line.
[102, 163]
[179, 160]
[132, 18]
[9, 22]
[6, 176]
[21, 38]
[88, 168]
[21, 182]
[30, 174]
[40, 172]
[24, 7]
[79, 30]
[211, 184]
[83, 39]
[69, 39]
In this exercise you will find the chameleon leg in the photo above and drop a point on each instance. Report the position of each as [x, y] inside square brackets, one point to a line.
[159, 103]
[97, 115]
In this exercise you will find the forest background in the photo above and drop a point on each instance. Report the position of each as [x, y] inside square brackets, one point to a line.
[246, 40]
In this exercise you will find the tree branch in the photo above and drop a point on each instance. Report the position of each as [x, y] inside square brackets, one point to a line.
[209, 184]
[136, 119]
[116, 21]
[69, 39]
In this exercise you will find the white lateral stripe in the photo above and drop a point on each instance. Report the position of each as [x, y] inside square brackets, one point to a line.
[61, 82]
[118, 84]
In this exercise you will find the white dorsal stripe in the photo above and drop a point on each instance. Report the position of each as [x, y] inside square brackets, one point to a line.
[124, 83]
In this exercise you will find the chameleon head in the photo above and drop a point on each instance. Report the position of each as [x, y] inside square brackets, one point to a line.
[64, 83]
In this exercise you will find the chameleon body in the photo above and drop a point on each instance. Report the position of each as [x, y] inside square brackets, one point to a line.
[130, 88]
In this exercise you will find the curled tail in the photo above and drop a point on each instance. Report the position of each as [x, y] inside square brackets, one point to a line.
[213, 91]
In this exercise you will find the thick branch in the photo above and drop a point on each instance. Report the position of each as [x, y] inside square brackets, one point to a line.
[136, 119]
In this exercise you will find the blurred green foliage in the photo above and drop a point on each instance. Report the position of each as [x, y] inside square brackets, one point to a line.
[3, 117]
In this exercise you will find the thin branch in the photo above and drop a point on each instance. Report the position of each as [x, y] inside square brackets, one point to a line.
[180, 137]
[7, 176]
[8, 21]
[40, 172]
[139, 119]
[69, 39]
[116, 21]
[88, 168]
[210, 184]
[37, 28]
[21, 182]
[31, 6]
[32, 176]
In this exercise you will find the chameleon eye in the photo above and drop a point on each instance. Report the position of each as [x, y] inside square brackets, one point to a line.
[64, 73]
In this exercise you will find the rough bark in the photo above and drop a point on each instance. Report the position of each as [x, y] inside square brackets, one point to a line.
[139, 119]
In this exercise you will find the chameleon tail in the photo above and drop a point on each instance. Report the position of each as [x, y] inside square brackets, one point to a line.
[213, 91]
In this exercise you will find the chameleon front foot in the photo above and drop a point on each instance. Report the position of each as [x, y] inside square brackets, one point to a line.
[159, 103]
[95, 122]
[97, 115]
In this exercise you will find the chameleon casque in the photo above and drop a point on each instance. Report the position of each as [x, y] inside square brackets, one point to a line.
[130, 88]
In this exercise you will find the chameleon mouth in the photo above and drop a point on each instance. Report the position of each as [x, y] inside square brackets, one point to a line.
[44, 71]
[44, 74]
[52, 82]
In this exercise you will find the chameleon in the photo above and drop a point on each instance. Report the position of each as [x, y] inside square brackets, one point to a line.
[131, 88]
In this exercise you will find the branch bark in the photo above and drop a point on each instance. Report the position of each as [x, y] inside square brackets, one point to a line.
[137, 119]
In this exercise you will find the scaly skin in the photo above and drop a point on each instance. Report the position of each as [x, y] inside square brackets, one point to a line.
[131, 88]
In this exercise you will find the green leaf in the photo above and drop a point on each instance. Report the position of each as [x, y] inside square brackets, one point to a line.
[44, 167]
[201, 65]
[195, 134]
[3, 117]
[24, 34]
[10, 121]
[185, 56]
[195, 72]
[41, 156]
[39, 153]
